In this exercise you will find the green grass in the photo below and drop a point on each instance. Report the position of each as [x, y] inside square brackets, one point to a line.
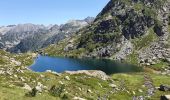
[158, 80]
[145, 40]
[132, 59]
[134, 82]
[125, 82]
[130, 82]
[138, 6]
[160, 66]
[16, 93]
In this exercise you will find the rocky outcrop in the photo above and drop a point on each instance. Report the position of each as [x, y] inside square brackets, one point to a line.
[160, 49]
[127, 49]
[93, 73]
[153, 53]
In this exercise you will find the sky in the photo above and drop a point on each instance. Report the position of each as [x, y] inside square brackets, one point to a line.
[47, 11]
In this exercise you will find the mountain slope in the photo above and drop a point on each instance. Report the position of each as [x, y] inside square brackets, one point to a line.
[14, 35]
[135, 31]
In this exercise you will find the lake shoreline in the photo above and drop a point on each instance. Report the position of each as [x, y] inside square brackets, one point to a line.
[62, 64]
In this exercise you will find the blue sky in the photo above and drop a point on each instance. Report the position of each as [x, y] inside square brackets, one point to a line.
[47, 11]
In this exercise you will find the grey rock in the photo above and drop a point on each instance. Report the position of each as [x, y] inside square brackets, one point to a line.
[69, 47]
[78, 98]
[67, 78]
[164, 88]
[27, 87]
[168, 59]
[113, 85]
[94, 73]
[39, 87]
[165, 97]
[89, 91]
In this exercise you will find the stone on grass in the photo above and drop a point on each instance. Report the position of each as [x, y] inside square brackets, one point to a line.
[78, 98]
[61, 82]
[42, 76]
[22, 79]
[15, 76]
[165, 97]
[140, 90]
[164, 88]
[113, 85]
[27, 87]
[2, 72]
[79, 88]
[67, 78]
[39, 88]
[89, 91]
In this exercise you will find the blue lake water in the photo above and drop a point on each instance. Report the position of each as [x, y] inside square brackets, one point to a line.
[58, 64]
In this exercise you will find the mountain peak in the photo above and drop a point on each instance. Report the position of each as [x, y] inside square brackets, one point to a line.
[127, 30]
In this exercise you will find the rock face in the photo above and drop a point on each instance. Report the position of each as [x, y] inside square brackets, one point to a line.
[30, 37]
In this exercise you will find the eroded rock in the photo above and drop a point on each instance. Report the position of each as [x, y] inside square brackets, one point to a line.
[94, 73]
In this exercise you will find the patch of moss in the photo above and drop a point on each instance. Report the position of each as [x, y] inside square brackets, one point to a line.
[138, 6]
[132, 58]
[160, 66]
[145, 40]
[150, 12]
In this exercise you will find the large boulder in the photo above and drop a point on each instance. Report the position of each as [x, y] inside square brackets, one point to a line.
[93, 73]
[164, 88]
[69, 47]
[165, 97]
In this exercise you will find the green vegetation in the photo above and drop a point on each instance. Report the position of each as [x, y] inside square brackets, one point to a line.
[88, 87]
[132, 59]
[16, 93]
[150, 12]
[145, 41]
[159, 3]
[57, 91]
[105, 31]
[127, 2]
[127, 85]
[32, 93]
[160, 66]
[138, 7]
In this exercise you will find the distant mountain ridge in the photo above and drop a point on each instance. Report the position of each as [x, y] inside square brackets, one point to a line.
[28, 37]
